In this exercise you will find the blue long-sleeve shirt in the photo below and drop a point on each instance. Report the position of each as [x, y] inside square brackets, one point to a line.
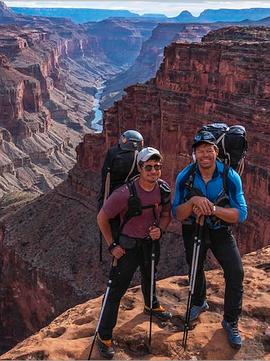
[213, 188]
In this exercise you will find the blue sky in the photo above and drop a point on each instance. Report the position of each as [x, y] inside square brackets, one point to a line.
[169, 7]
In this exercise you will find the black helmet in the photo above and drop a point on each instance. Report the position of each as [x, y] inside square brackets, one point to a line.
[131, 140]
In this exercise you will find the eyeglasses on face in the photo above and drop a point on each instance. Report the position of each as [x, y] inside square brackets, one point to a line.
[149, 167]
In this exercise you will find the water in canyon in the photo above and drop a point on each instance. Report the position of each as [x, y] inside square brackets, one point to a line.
[97, 122]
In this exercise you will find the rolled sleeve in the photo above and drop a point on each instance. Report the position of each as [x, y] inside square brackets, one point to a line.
[179, 189]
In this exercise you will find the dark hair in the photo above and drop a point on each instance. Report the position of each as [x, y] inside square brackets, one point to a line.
[155, 157]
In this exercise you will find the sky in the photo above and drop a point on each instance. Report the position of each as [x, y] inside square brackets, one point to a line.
[169, 7]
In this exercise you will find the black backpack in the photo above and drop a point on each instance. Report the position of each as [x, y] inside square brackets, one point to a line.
[119, 167]
[232, 144]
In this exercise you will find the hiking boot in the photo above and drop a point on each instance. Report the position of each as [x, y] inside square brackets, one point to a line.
[105, 348]
[233, 334]
[195, 311]
[158, 312]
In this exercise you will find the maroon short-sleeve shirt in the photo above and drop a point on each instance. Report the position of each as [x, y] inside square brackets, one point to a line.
[137, 226]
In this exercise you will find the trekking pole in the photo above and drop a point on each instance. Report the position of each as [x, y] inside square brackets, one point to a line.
[100, 246]
[193, 273]
[152, 288]
[104, 301]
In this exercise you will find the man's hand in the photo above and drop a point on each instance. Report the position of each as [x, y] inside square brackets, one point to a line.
[154, 232]
[118, 252]
[202, 206]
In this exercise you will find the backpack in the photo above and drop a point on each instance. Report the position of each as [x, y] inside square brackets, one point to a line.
[231, 142]
[119, 166]
[135, 207]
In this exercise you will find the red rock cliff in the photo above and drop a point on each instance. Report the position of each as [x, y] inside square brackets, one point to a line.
[217, 80]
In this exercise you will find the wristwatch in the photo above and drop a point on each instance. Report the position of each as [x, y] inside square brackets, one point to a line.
[214, 209]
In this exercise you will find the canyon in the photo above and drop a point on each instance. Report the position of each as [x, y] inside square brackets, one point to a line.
[49, 246]
[151, 55]
[50, 71]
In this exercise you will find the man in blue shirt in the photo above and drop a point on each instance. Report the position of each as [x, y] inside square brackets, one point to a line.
[210, 189]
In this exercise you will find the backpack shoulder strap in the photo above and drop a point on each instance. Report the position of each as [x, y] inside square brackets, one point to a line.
[188, 183]
[132, 166]
[131, 187]
[165, 192]
[134, 204]
[189, 177]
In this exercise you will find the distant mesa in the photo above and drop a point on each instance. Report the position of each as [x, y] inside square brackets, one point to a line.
[224, 15]
[234, 14]
[186, 16]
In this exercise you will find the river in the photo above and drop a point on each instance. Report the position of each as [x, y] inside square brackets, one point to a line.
[97, 122]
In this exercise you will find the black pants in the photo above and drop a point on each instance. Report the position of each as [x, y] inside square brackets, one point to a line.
[139, 256]
[224, 247]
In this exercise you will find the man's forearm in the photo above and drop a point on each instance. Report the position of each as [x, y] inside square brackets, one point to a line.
[230, 215]
[184, 210]
[105, 227]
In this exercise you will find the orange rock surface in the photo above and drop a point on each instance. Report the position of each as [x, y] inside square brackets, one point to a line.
[69, 336]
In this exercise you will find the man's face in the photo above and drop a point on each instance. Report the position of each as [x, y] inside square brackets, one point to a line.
[206, 155]
[150, 171]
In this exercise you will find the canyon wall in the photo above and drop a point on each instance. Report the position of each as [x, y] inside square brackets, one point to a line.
[224, 78]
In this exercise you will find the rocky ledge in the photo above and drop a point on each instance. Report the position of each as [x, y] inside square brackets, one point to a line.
[69, 336]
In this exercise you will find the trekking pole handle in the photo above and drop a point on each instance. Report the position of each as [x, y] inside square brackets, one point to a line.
[114, 262]
[200, 220]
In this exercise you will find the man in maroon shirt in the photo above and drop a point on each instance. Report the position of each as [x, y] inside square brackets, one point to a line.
[132, 249]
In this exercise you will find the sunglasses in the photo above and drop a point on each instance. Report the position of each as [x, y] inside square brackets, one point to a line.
[149, 167]
[204, 136]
